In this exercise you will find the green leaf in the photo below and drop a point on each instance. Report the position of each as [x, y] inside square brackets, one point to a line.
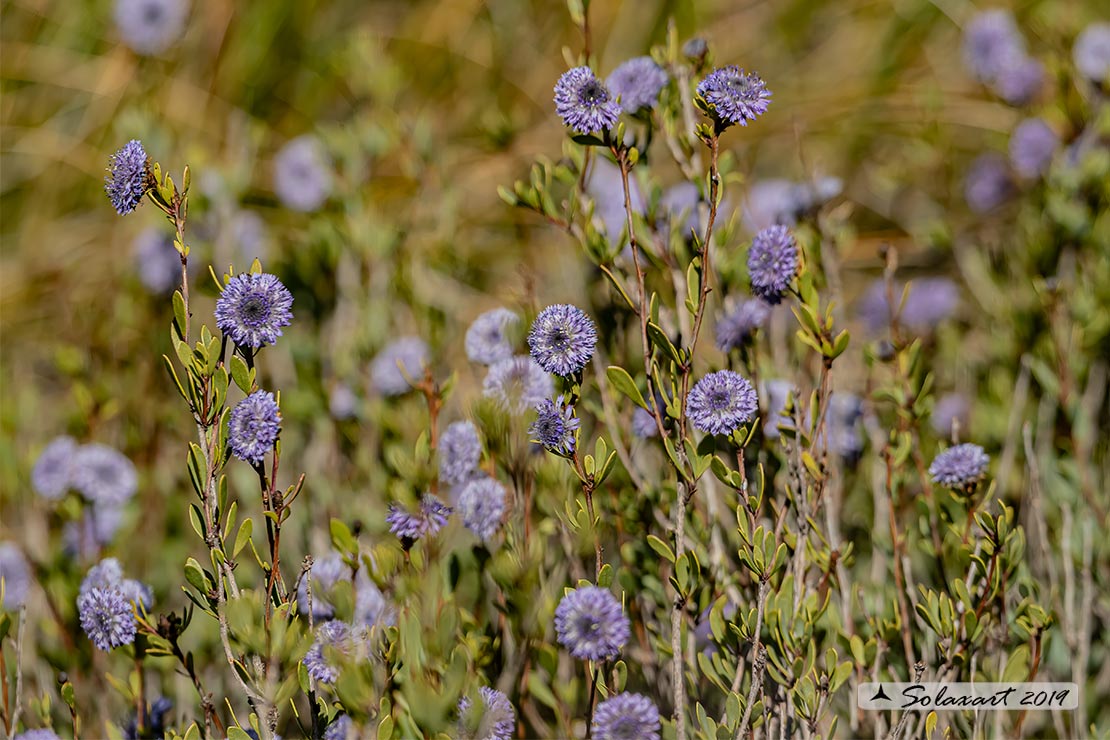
[342, 539]
[385, 728]
[244, 535]
[179, 318]
[605, 577]
[195, 576]
[662, 342]
[623, 382]
[240, 374]
[662, 548]
[587, 140]
[236, 733]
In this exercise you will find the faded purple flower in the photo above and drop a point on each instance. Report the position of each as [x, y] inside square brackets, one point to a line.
[1091, 52]
[960, 467]
[987, 184]
[1020, 79]
[15, 574]
[128, 177]
[150, 27]
[95, 529]
[103, 475]
[459, 452]
[399, 364]
[555, 426]
[626, 716]
[335, 641]
[562, 339]
[721, 402]
[590, 624]
[341, 728]
[43, 733]
[643, 424]
[342, 402]
[107, 617]
[52, 475]
[637, 83]
[495, 719]
[157, 262]
[990, 38]
[930, 301]
[303, 174]
[772, 263]
[409, 526]
[583, 102]
[487, 338]
[734, 95]
[517, 384]
[481, 505]
[738, 326]
[253, 427]
[253, 308]
[1032, 146]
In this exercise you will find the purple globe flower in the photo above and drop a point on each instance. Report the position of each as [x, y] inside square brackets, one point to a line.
[149, 27]
[517, 384]
[772, 263]
[128, 177]
[721, 402]
[107, 575]
[562, 339]
[253, 427]
[770, 202]
[107, 617]
[103, 475]
[303, 174]
[987, 184]
[960, 467]
[495, 719]
[930, 301]
[341, 728]
[15, 574]
[398, 365]
[1020, 79]
[643, 424]
[951, 409]
[459, 452]
[626, 716]
[637, 83]
[1091, 52]
[1032, 146]
[735, 96]
[583, 102]
[990, 38]
[590, 624]
[555, 426]
[409, 526]
[157, 262]
[53, 472]
[325, 573]
[335, 640]
[481, 504]
[97, 528]
[253, 308]
[486, 339]
[737, 327]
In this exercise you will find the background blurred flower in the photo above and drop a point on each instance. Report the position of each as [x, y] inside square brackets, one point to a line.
[772, 263]
[52, 475]
[517, 384]
[150, 27]
[1091, 53]
[637, 83]
[494, 719]
[103, 475]
[303, 174]
[1032, 146]
[481, 504]
[16, 575]
[487, 338]
[987, 184]
[459, 452]
[739, 323]
[399, 365]
[990, 39]
[626, 716]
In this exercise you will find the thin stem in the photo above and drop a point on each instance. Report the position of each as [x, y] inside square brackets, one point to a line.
[590, 706]
[759, 661]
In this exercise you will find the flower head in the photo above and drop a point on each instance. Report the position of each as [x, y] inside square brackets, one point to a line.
[626, 716]
[772, 263]
[342, 402]
[590, 624]
[637, 83]
[517, 384]
[341, 728]
[53, 472]
[987, 184]
[155, 721]
[103, 475]
[459, 452]
[481, 504]
[950, 410]
[930, 301]
[107, 617]
[583, 102]
[107, 574]
[150, 27]
[486, 340]
[96, 528]
[1091, 52]
[734, 95]
[302, 174]
[1032, 146]
[960, 467]
[721, 402]
[990, 38]
[42, 733]
[253, 427]
[643, 424]
[398, 365]
[325, 573]
[158, 263]
[128, 177]
[555, 426]
[15, 574]
[253, 308]
[334, 641]
[737, 327]
[1020, 79]
[409, 526]
[495, 719]
[562, 339]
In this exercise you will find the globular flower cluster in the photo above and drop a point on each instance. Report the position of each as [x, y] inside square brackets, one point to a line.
[400, 364]
[324, 578]
[735, 96]
[128, 178]
[487, 338]
[994, 53]
[102, 474]
[1091, 52]
[411, 526]
[303, 174]
[960, 467]
[1032, 145]
[42, 733]
[772, 263]
[637, 83]
[555, 426]
[253, 427]
[627, 716]
[495, 719]
[783, 202]
[108, 574]
[987, 184]
[341, 728]
[930, 301]
[52, 474]
[562, 339]
[335, 641]
[157, 262]
[150, 27]
[721, 402]
[16, 575]
[517, 384]
[253, 308]
[459, 451]
[737, 327]
[584, 103]
[590, 624]
[107, 617]
[481, 504]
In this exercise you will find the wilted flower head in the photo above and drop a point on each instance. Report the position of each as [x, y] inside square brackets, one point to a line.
[627, 716]
[409, 526]
[158, 263]
[481, 505]
[562, 339]
[643, 424]
[150, 27]
[253, 427]
[772, 263]
[494, 719]
[517, 384]
[486, 340]
[16, 575]
[721, 402]
[584, 104]
[1020, 79]
[1032, 146]
[107, 617]
[950, 409]
[637, 83]
[590, 624]
[128, 177]
[990, 38]
[103, 475]
[1091, 52]
[53, 472]
[399, 364]
[738, 325]
[555, 426]
[253, 308]
[459, 452]
[960, 467]
[734, 95]
[987, 184]
[334, 641]
[302, 174]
